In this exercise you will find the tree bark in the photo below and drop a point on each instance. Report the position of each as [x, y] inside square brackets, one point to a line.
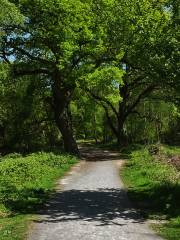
[69, 141]
[121, 137]
[121, 118]
[62, 95]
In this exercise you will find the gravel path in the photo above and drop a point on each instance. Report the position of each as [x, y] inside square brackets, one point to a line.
[91, 204]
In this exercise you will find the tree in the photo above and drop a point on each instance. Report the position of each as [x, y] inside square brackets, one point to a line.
[56, 37]
[139, 34]
[26, 120]
[118, 51]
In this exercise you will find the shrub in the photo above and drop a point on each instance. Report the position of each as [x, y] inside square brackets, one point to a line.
[26, 181]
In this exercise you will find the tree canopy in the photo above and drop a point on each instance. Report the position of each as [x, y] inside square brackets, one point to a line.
[58, 57]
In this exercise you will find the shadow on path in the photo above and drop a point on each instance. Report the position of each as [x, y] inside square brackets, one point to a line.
[104, 206]
[95, 154]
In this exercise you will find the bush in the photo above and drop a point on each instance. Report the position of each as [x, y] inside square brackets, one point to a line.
[26, 181]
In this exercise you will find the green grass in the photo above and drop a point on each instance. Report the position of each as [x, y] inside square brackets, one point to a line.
[154, 186]
[170, 150]
[14, 227]
[170, 230]
[25, 184]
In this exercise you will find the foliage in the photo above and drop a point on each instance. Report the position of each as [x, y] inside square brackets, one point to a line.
[170, 230]
[154, 121]
[105, 81]
[170, 150]
[26, 122]
[119, 53]
[9, 14]
[26, 182]
[155, 188]
[98, 69]
[88, 119]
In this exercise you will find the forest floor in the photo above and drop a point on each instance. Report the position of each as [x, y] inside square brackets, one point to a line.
[91, 203]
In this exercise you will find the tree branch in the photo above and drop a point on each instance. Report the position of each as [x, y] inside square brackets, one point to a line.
[24, 72]
[44, 61]
[102, 99]
[143, 94]
[110, 121]
[4, 56]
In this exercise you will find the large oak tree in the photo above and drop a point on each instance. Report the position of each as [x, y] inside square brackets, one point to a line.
[56, 40]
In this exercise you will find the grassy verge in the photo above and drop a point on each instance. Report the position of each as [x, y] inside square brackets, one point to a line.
[154, 186]
[25, 184]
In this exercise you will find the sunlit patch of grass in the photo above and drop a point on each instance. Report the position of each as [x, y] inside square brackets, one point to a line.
[14, 227]
[154, 186]
[170, 230]
[25, 184]
[171, 150]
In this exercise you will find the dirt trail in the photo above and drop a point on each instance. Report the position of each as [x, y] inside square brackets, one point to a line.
[91, 204]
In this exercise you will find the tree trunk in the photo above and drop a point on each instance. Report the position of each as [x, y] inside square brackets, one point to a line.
[121, 118]
[121, 137]
[62, 95]
[69, 141]
[118, 129]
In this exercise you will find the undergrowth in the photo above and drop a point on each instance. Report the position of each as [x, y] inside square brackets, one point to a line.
[25, 184]
[154, 186]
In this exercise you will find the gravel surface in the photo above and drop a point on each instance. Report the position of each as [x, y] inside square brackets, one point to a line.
[91, 204]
